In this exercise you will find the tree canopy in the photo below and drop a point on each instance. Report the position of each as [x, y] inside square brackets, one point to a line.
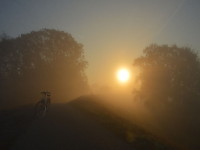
[169, 75]
[47, 59]
[169, 92]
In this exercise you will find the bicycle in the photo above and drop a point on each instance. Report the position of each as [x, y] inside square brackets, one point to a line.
[42, 105]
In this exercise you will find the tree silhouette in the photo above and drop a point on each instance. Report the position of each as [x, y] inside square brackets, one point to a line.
[169, 77]
[42, 60]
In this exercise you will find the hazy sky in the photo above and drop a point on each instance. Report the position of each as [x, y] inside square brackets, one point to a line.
[113, 32]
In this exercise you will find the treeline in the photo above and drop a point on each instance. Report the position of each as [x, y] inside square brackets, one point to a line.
[169, 87]
[47, 59]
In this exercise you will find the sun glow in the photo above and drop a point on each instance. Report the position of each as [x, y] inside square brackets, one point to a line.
[123, 75]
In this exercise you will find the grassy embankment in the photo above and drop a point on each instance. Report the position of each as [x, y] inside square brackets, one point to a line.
[134, 135]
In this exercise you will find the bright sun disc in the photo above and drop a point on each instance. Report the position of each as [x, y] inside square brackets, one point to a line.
[123, 75]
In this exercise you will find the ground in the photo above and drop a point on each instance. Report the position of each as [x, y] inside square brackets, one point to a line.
[80, 124]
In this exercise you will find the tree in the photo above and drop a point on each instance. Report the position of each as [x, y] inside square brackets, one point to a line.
[43, 60]
[169, 77]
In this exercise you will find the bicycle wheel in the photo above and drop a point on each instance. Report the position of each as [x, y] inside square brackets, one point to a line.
[40, 110]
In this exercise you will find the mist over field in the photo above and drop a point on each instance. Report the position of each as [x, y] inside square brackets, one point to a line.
[162, 95]
[176, 127]
[164, 98]
[100, 74]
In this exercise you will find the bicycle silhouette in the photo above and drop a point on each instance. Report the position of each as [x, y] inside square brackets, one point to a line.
[42, 105]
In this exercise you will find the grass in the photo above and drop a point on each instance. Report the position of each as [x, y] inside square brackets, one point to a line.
[13, 123]
[134, 135]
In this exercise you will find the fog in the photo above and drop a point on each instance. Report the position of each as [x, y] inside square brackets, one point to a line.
[173, 127]
[161, 96]
[44, 60]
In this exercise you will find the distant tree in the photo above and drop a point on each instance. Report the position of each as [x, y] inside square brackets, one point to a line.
[169, 77]
[4, 36]
[169, 82]
[43, 60]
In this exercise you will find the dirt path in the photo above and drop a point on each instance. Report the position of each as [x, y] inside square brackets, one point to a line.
[66, 128]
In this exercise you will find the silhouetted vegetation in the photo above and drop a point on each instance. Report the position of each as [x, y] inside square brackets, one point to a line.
[41, 60]
[169, 86]
[130, 132]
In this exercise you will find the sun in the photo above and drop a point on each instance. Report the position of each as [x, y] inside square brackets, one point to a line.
[123, 75]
